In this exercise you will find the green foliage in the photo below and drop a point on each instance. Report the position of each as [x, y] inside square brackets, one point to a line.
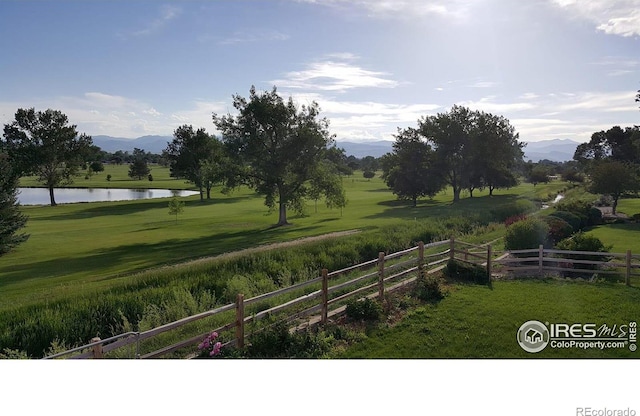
[363, 310]
[466, 272]
[513, 209]
[526, 234]
[558, 228]
[614, 178]
[9, 354]
[368, 174]
[150, 177]
[277, 341]
[109, 176]
[275, 147]
[12, 220]
[139, 167]
[43, 143]
[428, 288]
[176, 207]
[572, 219]
[584, 242]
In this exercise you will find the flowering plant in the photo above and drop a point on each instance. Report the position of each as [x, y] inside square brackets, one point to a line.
[209, 345]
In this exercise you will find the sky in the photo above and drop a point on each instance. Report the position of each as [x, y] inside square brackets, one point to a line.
[557, 69]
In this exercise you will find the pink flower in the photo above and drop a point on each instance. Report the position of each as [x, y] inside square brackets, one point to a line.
[201, 346]
[214, 335]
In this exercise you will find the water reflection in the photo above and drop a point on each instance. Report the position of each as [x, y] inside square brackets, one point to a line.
[40, 196]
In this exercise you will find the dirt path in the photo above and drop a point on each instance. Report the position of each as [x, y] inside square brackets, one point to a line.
[266, 247]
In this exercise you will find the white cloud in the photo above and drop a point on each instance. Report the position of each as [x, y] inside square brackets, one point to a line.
[401, 8]
[247, 37]
[331, 75]
[166, 14]
[614, 17]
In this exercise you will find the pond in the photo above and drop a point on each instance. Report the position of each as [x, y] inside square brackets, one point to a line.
[40, 196]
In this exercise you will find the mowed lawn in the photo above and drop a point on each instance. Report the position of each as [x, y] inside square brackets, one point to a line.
[482, 322]
[88, 246]
[622, 237]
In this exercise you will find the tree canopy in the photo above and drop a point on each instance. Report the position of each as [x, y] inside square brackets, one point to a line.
[42, 143]
[410, 170]
[11, 219]
[195, 156]
[472, 149]
[615, 178]
[139, 167]
[276, 148]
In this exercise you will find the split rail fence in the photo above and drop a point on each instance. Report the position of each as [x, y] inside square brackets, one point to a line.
[317, 300]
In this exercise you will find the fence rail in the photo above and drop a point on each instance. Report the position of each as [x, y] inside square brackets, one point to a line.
[372, 280]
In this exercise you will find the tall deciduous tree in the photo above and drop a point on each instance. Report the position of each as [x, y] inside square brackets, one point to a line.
[473, 149]
[44, 144]
[195, 156]
[276, 147]
[615, 144]
[615, 178]
[11, 219]
[139, 167]
[411, 170]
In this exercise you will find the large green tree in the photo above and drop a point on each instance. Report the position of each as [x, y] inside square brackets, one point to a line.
[11, 219]
[473, 149]
[276, 147]
[615, 178]
[195, 156]
[43, 143]
[411, 170]
[615, 144]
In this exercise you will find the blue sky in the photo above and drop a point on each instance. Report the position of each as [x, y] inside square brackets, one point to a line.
[554, 68]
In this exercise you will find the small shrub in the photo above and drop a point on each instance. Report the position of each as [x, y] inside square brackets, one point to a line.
[514, 218]
[559, 229]
[526, 234]
[278, 342]
[584, 242]
[636, 217]
[150, 178]
[572, 219]
[368, 174]
[109, 177]
[520, 207]
[364, 310]
[428, 288]
[466, 272]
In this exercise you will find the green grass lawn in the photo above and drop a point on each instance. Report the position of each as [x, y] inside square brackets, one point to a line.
[481, 322]
[89, 246]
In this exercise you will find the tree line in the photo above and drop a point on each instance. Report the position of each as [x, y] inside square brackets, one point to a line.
[287, 154]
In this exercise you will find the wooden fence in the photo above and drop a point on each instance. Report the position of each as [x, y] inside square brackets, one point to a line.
[317, 300]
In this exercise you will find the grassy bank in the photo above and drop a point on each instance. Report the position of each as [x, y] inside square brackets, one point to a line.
[481, 322]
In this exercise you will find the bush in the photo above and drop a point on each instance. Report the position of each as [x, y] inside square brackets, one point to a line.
[150, 177]
[428, 288]
[572, 219]
[526, 234]
[517, 208]
[466, 272]
[584, 242]
[278, 342]
[109, 177]
[559, 229]
[636, 217]
[364, 310]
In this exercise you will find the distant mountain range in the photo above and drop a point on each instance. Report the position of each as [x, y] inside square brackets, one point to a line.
[557, 150]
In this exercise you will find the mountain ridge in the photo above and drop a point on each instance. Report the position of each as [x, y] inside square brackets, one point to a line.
[557, 150]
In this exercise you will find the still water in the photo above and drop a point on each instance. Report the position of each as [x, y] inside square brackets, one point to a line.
[40, 196]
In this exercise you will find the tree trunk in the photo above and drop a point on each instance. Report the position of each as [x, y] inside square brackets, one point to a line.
[282, 218]
[615, 204]
[201, 193]
[209, 186]
[456, 194]
[470, 192]
[491, 191]
[415, 201]
[51, 197]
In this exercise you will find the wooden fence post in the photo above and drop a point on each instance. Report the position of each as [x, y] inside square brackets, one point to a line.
[381, 276]
[324, 314]
[452, 248]
[540, 258]
[489, 254]
[240, 321]
[97, 349]
[420, 259]
[628, 277]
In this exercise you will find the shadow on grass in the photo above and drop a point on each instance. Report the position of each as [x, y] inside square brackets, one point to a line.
[139, 257]
[475, 206]
[130, 207]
